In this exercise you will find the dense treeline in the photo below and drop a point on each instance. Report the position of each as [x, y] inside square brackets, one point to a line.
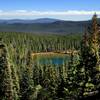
[21, 79]
[41, 43]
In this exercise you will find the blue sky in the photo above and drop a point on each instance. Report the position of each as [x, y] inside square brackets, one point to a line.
[60, 9]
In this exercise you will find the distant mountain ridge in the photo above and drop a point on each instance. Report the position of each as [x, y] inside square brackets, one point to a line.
[44, 26]
[26, 21]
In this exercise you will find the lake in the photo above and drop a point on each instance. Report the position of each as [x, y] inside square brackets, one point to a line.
[56, 59]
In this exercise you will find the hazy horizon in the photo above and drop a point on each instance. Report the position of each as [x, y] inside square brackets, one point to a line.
[38, 18]
[43, 18]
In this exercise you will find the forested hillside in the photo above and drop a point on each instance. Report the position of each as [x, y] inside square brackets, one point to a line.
[22, 79]
[45, 26]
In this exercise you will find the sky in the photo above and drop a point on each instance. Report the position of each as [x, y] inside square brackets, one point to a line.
[59, 9]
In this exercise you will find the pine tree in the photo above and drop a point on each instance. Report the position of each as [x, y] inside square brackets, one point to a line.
[6, 86]
[89, 59]
[27, 84]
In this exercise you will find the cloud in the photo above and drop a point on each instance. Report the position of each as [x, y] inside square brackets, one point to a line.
[21, 11]
[31, 13]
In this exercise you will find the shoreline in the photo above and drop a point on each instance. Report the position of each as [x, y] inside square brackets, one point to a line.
[55, 53]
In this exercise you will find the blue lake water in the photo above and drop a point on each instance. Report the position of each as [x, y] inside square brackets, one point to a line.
[56, 60]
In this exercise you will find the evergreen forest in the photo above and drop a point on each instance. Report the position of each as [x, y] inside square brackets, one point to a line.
[22, 79]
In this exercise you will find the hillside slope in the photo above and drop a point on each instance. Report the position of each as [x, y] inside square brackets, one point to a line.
[53, 27]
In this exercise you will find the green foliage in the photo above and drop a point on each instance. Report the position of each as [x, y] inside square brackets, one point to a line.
[22, 79]
[6, 86]
[89, 59]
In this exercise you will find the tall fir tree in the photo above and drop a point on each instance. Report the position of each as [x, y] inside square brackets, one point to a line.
[89, 59]
[6, 85]
[27, 83]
